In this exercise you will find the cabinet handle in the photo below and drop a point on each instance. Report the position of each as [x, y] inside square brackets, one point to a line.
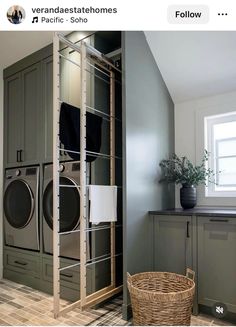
[188, 229]
[61, 153]
[20, 263]
[21, 151]
[220, 220]
[17, 156]
[67, 275]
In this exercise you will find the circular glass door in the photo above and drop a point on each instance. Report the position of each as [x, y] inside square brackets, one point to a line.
[69, 205]
[18, 203]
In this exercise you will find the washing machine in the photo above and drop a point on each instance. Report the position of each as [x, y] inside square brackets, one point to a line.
[69, 209]
[20, 205]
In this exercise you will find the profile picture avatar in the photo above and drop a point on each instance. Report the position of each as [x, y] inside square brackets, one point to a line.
[16, 14]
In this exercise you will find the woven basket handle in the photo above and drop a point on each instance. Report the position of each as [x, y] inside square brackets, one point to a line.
[129, 278]
[190, 274]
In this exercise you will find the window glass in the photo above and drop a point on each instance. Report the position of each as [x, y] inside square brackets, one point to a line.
[221, 143]
[227, 148]
[227, 168]
[225, 130]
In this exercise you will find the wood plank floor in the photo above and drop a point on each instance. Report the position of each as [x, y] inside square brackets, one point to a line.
[23, 306]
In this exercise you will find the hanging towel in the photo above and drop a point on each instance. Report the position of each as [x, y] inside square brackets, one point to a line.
[103, 203]
[70, 131]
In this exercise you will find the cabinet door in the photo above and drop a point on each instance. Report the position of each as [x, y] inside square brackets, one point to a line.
[32, 104]
[47, 94]
[48, 108]
[217, 261]
[172, 243]
[13, 118]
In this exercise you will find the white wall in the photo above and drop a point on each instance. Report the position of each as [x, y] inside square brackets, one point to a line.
[1, 172]
[189, 135]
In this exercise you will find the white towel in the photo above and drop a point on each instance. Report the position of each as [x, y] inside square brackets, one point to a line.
[103, 203]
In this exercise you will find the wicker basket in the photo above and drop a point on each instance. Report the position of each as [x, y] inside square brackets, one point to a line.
[161, 298]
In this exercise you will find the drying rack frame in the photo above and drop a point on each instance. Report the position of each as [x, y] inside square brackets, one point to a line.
[87, 52]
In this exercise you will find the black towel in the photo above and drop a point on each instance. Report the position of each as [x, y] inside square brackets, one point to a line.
[70, 131]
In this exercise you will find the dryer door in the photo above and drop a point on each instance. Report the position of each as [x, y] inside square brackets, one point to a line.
[18, 203]
[69, 205]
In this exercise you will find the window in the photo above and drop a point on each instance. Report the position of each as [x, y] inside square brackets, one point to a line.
[220, 141]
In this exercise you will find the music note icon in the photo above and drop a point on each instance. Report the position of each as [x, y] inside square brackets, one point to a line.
[35, 20]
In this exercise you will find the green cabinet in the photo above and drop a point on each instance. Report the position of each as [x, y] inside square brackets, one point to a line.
[172, 243]
[70, 86]
[22, 117]
[12, 118]
[217, 261]
[22, 262]
[22, 266]
[207, 244]
[28, 107]
[69, 278]
[28, 96]
[32, 131]
[47, 95]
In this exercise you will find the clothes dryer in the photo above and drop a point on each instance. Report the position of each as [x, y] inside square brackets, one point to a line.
[69, 209]
[20, 203]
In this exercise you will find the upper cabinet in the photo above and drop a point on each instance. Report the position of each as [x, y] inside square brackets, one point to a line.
[28, 108]
[47, 91]
[28, 101]
[32, 131]
[22, 116]
[13, 119]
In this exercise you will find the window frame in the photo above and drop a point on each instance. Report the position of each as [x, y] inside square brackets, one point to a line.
[212, 148]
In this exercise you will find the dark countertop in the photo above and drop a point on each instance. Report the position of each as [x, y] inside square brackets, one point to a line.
[216, 212]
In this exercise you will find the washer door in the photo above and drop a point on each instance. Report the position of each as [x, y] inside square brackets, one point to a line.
[69, 205]
[18, 203]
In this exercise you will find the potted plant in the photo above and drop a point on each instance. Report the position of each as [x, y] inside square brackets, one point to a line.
[180, 170]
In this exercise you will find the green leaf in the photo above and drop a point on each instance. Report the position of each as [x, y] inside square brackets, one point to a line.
[180, 170]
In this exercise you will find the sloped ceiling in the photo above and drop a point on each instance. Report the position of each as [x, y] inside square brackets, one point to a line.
[195, 64]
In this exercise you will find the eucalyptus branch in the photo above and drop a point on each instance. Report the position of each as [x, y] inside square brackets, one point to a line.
[180, 170]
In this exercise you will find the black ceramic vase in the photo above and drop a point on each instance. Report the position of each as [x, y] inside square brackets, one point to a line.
[188, 196]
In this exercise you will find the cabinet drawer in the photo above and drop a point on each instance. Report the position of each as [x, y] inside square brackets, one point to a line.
[68, 277]
[22, 262]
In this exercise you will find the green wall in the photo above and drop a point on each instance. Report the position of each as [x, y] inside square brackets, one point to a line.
[148, 137]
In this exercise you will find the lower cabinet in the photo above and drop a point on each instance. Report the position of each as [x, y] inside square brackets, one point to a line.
[69, 278]
[22, 263]
[207, 244]
[22, 267]
[217, 261]
[36, 270]
[172, 243]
